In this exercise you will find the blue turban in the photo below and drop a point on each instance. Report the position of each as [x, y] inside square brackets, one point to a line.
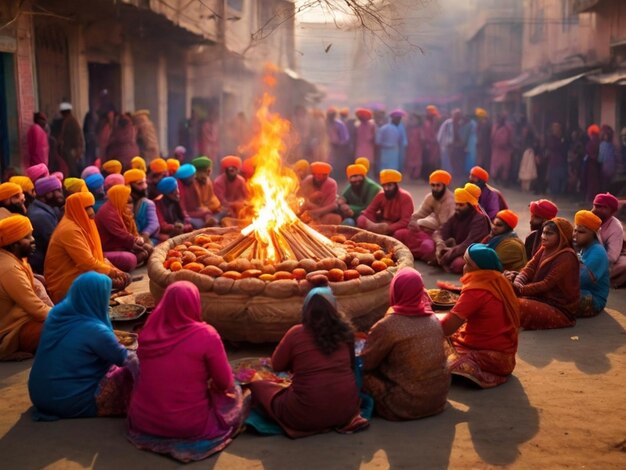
[94, 181]
[484, 257]
[185, 171]
[167, 185]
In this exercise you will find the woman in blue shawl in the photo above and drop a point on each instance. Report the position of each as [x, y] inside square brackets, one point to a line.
[75, 371]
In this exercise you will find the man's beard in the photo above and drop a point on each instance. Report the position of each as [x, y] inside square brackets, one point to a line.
[535, 226]
[231, 176]
[29, 199]
[317, 183]
[356, 187]
[480, 183]
[137, 194]
[16, 209]
[438, 194]
[390, 194]
[53, 201]
[463, 213]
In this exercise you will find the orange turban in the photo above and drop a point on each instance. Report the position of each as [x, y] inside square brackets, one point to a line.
[112, 166]
[22, 181]
[75, 185]
[440, 176]
[468, 194]
[355, 169]
[301, 165]
[508, 217]
[134, 175]
[481, 113]
[321, 168]
[363, 161]
[231, 160]
[158, 165]
[172, 165]
[75, 206]
[13, 229]
[588, 219]
[363, 113]
[344, 112]
[390, 176]
[247, 168]
[480, 173]
[138, 163]
[593, 129]
[431, 110]
[118, 197]
[8, 190]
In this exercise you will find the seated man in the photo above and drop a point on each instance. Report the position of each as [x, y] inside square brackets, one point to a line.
[158, 171]
[199, 214]
[612, 235]
[319, 191]
[301, 169]
[540, 211]
[391, 209]
[40, 170]
[12, 200]
[204, 187]
[121, 242]
[357, 195]
[507, 245]
[144, 209]
[468, 225]
[437, 207]
[491, 200]
[594, 266]
[22, 311]
[44, 215]
[230, 187]
[28, 188]
[173, 220]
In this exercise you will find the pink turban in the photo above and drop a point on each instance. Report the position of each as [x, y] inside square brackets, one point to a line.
[37, 171]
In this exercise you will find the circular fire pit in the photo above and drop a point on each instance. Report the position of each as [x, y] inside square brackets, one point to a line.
[256, 310]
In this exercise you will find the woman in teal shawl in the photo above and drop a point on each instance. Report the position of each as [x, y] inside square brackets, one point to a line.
[75, 371]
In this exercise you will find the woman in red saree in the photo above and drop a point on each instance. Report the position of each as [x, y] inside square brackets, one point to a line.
[483, 325]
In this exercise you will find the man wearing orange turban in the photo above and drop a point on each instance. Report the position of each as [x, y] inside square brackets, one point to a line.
[468, 225]
[144, 209]
[594, 266]
[491, 200]
[230, 187]
[112, 166]
[75, 248]
[391, 209]
[158, 171]
[138, 163]
[121, 242]
[173, 165]
[365, 136]
[319, 191]
[339, 141]
[12, 200]
[437, 207]
[357, 195]
[28, 188]
[22, 311]
[503, 239]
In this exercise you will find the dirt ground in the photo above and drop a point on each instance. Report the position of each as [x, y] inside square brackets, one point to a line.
[564, 407]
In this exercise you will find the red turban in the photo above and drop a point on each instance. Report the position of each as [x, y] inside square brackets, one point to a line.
[321, 168]
[440, 176]
[363, 113]
[480, 173]
[231, 160]
[544, 209]
[593, 129]
[606, 199]
[508, 217]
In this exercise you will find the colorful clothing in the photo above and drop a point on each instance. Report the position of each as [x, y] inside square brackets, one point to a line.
[391, 142]
[322, 200]
[594, 276]
[44, 219]
[532, 243]
[359, 202]
[501, 151]
[414, 150]
[509, 248]
[169, 213]
[146, 218]
[365, 140]
[37, 146]
[612, 236]
[396, 212]
[231, 194]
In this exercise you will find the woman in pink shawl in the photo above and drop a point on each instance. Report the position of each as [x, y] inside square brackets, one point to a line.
[171, 410]
[404, 364]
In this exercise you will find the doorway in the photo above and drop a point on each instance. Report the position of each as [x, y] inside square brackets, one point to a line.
[9, 139]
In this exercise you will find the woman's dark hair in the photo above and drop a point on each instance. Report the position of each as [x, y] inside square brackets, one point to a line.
[330, 327]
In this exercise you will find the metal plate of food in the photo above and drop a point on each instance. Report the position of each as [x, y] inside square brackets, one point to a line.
[126, 312]
[443, 298]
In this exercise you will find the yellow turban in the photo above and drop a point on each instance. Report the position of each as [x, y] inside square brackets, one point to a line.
[112, 166]
[363, 161]
[440, 176]
[14, 228]
[22, 181]
[321, 168]
[75, 185]
[390, 176]
[468, 194]
[158, 165]
[172, 165]
[138, 163]
[8, 190]
[355, 169]
[134, 175]
[301, 165]
[481, 113]
[588, 219]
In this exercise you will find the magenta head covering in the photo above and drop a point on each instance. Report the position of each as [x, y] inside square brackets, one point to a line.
[608, 200]
[397, 113]
[407, 295]
[58, 175]
[112, 180]
[46, 185]
[37, 171]
[175, 319]
[89, 170]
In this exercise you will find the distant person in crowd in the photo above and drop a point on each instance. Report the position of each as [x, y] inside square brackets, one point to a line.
[556, 154]
[541, 211]
[391, 209]
[104, 129]
[414, 150]
[491, 200]
[483, 325]
[230, 187]
[91, 122]
[70, 141]
[122, 145]
[365, 135]
[75, 248]
[431, 155]
[404, 364]
[575, 158]
[44, 214]
[95, 185]
[28, 188]
[111, 180]
[319, 191]
[483, 138]
[436, 208]
[147, 139]
[144, 209]
[592, 168]
[81, 370]
[505, 242]
[338, 139]
[468, 225]
[173, 164]
[209, 139]
[180, 153]
[527, 173]
[612, 235]
[391, 140]
[357, 195]
[138, 163]
[74, 185]
[111, 167]
[549, 285]
[22, 310]
[89, 170]
[594, 264]
[158, 171]
[37, 171]
[501, 149]
[452, 145]
[38, 149]
[319, 353]
[173, 220]
[607, 156]
[469, 135]
[185, 403]
[12, 200]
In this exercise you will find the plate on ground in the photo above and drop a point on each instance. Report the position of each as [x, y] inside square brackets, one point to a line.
[127, 339]
[126, 312]
[442, 298]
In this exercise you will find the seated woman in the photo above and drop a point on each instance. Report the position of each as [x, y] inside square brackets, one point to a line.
[75, 373]
[483, 325]
[319, 352]
[594, 266]
[185, 403]
[549, 285]
[404, 364]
